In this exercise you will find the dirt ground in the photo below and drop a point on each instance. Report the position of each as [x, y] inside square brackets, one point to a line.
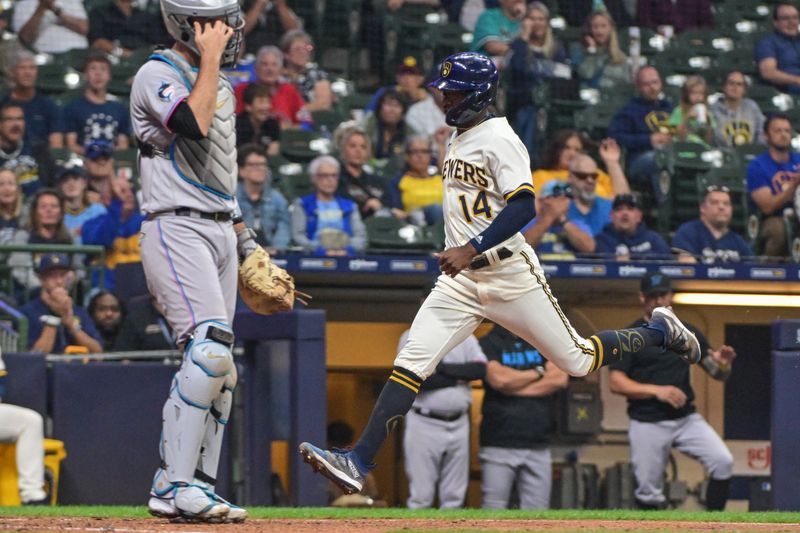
[376, 526]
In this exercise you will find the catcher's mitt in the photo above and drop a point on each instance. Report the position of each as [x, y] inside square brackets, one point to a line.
[265, 287]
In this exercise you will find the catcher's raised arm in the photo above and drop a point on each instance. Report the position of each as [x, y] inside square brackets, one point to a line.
[265, 287]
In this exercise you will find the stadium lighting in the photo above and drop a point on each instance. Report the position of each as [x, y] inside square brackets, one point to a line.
[736, 300]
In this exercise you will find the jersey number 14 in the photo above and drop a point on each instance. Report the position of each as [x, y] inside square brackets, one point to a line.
[480, 207]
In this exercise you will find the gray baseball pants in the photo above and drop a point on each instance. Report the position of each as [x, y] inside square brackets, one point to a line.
[531, 470]
[651, 443]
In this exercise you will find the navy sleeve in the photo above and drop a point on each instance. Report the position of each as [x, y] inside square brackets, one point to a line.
[519, 210]
[683, 240]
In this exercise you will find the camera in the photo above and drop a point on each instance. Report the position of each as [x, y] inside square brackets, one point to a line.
[559, 190]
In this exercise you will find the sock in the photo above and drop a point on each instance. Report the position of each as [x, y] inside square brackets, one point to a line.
[393, 403]
[613, 345]
[717, 494]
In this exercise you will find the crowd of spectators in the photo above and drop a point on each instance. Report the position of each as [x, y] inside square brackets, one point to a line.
[66, 176]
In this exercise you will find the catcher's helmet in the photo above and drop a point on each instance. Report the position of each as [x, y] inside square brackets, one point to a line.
[473, 73]
[177, 15]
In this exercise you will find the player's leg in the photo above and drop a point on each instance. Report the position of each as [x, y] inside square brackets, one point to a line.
[696, 438]
[535, 479]
[650, 444]
[25, 427]
[537, 318]
[181, 273]
[498, 474]
[422, 449]
[454, 478]
[447, 317]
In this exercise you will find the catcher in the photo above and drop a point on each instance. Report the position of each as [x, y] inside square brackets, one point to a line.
[183, 114]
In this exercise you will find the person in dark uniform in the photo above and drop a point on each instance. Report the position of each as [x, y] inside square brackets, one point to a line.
[517, 418]
[662, 412]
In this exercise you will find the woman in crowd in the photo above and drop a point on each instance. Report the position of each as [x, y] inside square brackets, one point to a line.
[536, 58]
[355, 181]
[565, 145]
[73, 185]
[311, 81]
[10, 203]
[386, 127]
[416, 193]
[598, 59]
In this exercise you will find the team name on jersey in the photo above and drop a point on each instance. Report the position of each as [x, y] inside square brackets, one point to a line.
[463, 171]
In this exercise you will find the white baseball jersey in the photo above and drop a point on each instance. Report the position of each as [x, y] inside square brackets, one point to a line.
[485, 166]
[157, 90]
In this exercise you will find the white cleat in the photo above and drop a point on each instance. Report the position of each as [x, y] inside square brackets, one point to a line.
[194, 504]
[678, 338]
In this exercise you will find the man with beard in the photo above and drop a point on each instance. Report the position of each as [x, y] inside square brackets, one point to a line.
[772, 180]
[586, 206]
[709, 238]
[15, 153]
[626, 236]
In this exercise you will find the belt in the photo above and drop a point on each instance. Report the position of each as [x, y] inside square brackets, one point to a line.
[490, 257]
[445, 417]
[220, 216]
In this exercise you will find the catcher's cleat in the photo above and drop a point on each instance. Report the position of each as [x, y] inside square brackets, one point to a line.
[677, 337]
[336, 465]
[195, 504]
[163, 506]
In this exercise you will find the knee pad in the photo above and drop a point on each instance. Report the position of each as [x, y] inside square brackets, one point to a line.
[210, 348]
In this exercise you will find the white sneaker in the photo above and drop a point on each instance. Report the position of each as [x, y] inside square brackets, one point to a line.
[678, 338]
[194, 504]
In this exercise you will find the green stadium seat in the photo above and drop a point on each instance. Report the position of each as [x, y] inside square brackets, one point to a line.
[390, 235]
[302, 146]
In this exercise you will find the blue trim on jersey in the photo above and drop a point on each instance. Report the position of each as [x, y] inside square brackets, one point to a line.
[159, 57]
[174, 272]
[187, 401]
[189, 180]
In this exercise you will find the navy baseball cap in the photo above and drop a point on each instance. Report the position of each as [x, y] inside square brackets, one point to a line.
[63, 171]
[656, 283]
[53, 261]
[97, 148]
[628, 200]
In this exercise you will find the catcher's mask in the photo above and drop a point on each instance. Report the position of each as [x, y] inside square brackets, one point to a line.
[179, 16]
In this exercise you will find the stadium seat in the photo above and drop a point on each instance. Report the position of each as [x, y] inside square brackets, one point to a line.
[390, 235]
[302, 146]
[295, 185]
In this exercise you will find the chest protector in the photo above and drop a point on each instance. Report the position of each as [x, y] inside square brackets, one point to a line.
[209, 163]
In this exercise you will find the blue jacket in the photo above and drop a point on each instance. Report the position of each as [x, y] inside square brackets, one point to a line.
[310, 207]
[633, 124]
[643, 244]
[269, 217]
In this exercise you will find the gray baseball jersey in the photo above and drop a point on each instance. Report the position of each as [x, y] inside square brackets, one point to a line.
[437, 451]
[157, 90]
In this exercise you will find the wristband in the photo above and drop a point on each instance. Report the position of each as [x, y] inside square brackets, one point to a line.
[50, 320]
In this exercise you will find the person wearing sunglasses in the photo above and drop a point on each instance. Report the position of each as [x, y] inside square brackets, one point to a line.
[627, 237]
[586, 205]
[738, 119]
[709, 238]
[776, 54]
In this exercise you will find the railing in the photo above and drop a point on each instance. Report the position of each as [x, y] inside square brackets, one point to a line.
[11, 340]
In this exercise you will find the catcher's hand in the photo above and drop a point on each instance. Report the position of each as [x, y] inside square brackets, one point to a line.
[265, 287]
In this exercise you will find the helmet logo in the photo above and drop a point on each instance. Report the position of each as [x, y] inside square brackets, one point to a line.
[446, 66]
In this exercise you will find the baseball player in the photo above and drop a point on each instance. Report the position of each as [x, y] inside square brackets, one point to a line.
[182, 111]
[488, 271]
[436, 439]
[662, 412]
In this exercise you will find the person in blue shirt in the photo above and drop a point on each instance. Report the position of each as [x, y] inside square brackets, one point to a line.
[324, 223]
[586, 206]
[263, 208]
[772, 180]
[43, 117]
[552, 233]
[626, 237]
[94, 115]
[642, 126]
[709, 238]
[778, 54]
[54, 321]
[497, 26]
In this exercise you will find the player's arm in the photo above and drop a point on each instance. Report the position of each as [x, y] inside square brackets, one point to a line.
[211, 40]
[553, 380]
[47, 340]
[508, 380]
[621, 384]
[462, 371]
[519, 210]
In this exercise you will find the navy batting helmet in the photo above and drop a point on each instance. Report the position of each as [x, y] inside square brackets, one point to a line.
[473, 73]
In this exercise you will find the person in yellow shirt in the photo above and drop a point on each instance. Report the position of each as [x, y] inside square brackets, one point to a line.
[564, 146]
[416, 193]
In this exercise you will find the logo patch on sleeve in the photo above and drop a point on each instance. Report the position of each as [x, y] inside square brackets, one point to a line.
[166, 91]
